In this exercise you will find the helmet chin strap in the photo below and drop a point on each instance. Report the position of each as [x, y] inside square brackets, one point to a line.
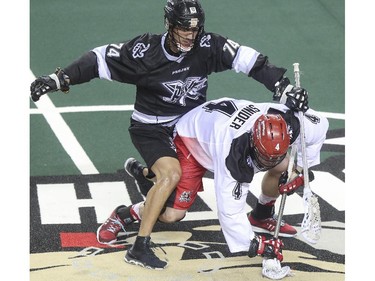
[183, 49]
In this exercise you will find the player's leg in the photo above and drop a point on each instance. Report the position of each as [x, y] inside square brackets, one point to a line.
[188, 187]
[262, 217]
[167, 171]
[155, 145]
[125, 215]
[177, 204]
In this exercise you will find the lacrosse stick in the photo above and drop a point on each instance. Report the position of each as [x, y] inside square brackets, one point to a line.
[311, 223]
[271, 268]
[283, 197]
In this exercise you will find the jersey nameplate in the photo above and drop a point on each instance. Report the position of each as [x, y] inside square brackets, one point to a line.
[242, 116]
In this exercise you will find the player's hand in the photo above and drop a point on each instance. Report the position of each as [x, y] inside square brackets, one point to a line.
[290, 187]
[295, 98]
[271, 248]
[51, 83]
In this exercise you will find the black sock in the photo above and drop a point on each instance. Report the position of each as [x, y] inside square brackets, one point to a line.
[124, 214]
[261, 212]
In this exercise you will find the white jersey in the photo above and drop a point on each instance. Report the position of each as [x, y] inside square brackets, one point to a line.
[216, 134]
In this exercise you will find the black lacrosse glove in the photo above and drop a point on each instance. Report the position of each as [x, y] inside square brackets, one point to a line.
[271, 248]
[310, 172]
[51, 83]
[295, 98]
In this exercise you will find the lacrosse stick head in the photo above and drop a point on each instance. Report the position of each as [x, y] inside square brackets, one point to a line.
[271, 268]
[311, 223]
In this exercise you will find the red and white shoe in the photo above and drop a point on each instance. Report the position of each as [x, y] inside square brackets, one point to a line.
[268, 226]
[108, 231]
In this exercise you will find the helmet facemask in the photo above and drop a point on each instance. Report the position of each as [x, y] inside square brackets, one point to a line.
[183, 39]
[263, 162]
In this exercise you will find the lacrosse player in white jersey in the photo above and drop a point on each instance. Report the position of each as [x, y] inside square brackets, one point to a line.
[234, 139]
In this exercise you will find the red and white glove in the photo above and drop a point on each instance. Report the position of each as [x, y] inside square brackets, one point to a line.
[271, 248]
[290, 187]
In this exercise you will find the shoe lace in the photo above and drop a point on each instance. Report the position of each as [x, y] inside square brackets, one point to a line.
[115, 224]
[153, 247]
[274, 218]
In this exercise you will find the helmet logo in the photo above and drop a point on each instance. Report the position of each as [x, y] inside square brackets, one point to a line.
[193, 22]
[193, 10]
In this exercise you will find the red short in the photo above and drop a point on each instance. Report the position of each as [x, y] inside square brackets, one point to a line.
[191, 180]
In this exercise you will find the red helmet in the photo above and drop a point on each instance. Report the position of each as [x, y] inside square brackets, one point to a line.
[270, 141]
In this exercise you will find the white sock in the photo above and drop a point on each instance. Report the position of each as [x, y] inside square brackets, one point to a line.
[266, 200]
[135, 211]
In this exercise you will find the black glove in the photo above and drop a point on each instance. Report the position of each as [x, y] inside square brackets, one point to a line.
[293, 97]
[271, 248]
[51, 83]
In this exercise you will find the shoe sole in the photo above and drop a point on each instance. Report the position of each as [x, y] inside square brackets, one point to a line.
[110, 243]
[113, 243]
[281, 234]
[137, 262]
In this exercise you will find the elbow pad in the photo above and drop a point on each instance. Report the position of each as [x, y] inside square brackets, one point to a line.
[266, 73]
[83, 69]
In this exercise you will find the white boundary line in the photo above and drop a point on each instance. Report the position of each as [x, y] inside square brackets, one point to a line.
[95, 108]
[65, 135]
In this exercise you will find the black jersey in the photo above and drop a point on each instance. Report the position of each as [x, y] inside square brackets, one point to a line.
[167, 86]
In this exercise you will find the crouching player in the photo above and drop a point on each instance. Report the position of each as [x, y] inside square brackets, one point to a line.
[234, 139]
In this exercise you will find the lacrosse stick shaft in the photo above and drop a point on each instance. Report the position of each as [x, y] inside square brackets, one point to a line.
[283, 197]
[301, 116]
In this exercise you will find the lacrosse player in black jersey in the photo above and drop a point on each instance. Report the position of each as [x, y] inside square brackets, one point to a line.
[170, 72]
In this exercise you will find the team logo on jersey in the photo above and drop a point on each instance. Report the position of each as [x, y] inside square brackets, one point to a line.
[205, 41]
[139, 50]
[314, 119]
[185, 196]
[181, 90]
